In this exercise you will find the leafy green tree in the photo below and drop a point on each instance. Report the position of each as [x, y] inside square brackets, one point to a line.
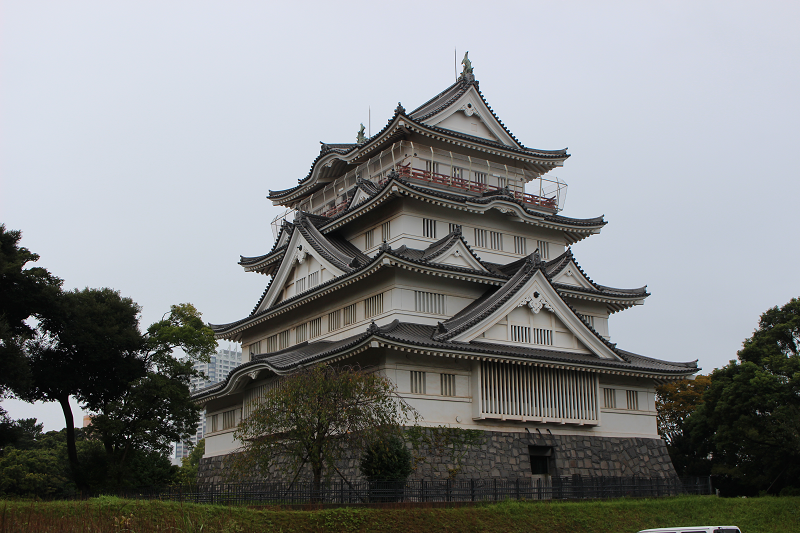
[386, 460]
[748, 425]
[24, 293]
[187, 475]
[317, 416]
[675, 401]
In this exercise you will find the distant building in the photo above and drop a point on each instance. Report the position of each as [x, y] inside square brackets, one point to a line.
[215, 370]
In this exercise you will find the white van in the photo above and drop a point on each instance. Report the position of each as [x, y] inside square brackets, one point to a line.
[695, 529]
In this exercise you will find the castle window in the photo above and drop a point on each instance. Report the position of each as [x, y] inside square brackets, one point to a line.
[315, 328]
[334, 320]
[283, 339]
[255, 348]
[313, 279]
[496, 240]
[480, 178]
[454, 227]
[609, 398]
[429, 302]
[632, 398]
[300, 333]
[458, 172]
[480, 238]
[300, 285]
[385, 231]
[349, 314]
[520, 245]
[521, 334]
[542, 336]
[369, 239]
[431, 167]
[448, 382]
[229, 419]
[429, 228]
[272, 344]
[589, 319]
[373, 305]
[417, 382]
[544, 249]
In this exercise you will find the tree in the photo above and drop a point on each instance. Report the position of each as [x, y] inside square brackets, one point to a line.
[187, 475]
[386, 460]
[675, 401]
[87, 347]
[24, 293]
[317, 416]
[748, 424]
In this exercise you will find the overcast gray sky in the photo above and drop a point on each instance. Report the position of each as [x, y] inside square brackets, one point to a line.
[139, 140]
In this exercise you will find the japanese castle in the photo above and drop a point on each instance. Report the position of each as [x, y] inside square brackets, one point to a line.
[435, 251]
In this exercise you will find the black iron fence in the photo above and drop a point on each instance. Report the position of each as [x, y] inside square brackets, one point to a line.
[423, 491]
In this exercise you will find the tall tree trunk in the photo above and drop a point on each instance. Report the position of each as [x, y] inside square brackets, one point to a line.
[72, 452]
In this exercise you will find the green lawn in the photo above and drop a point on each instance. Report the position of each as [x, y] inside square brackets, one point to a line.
[755, 515]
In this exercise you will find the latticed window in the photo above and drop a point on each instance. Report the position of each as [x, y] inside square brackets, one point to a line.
[229, 419]
[431, 166]
[255, 348]
[373, 305]
[480, 178]
[429, 302]
[458, 172]
[448, 383]
[496, 240]
[589, 319]
[315, 328]
[521, 334]
[334, 320]
[529, 392]
[520, 245]
[417, 382]
[272, 344]
[301, 333]
[313, 279]
[300, 285]
[609, 398]
[283, 339]
[632, 398]
[369, 239]
[542, 336]
[386, 231]
[454, 227]
[429, 228]
[480, 237]
[544, 249]
[349, 313]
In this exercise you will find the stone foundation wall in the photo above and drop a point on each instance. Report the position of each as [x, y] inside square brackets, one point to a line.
[506, 456]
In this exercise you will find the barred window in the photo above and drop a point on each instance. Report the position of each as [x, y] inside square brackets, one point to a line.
[454, 227]
[521, 334]
[448, 382]
[480, 178]
[429, 302]
[386, 231]
[255, 348]
[272, 344]
[544, 249]
[229, 419]
[589, 319]
[417, 382]
[300, 333]
[431, 166]
[315, 328]
[520, 245]
[609, 398]
[313, 279]
[334, 320]
[458, 172]
[496, 240]
[480, 238]
[373, 305]
[283, 339]
[215, 423]
[300, 285]
[369, 239]
[429, 228]
[632, 398]
[349, 314]
[501, 181]
[542, 336]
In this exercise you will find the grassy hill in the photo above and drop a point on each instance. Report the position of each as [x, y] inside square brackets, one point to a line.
[756, 515]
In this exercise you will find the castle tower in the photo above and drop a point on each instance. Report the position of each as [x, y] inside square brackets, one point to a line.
[435, 251]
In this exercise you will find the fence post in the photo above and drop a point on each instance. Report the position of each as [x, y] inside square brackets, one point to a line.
[495, 489]
[517, 483]
[422, 490]
[472, 489]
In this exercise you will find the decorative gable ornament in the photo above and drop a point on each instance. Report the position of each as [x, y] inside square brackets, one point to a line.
[536, 302]
[301, 254]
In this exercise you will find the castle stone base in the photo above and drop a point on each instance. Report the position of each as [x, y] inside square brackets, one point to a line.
[508, 456]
